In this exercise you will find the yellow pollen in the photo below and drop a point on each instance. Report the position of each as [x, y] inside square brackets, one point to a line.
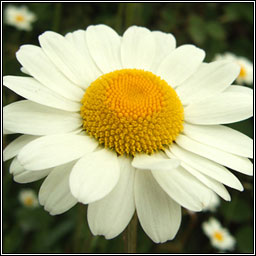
[218, 236]
[242, 73]
[132, 111]
[19, 18]
[28, 201]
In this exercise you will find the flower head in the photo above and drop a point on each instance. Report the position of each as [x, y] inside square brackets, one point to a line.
[28, 198]
[19, 17]
[246, 67]
[220, 237]
[126, 123]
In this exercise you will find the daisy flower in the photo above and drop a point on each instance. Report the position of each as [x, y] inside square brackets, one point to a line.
[220, 237]
[28, 198]
[213, 204]
[19, 17]
[126, 123]
[246, 71]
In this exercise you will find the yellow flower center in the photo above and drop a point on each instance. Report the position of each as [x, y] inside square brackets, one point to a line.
[19, 18]
[28, 201]
[242, 73]
[218, 236]
[132, 111]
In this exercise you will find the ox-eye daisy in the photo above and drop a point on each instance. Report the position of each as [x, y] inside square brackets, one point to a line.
[246, 67]
[220, 237]
[19, 17]
[126, 123]
[28, 198]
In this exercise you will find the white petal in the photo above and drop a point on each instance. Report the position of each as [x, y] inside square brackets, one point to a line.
[227, 107]
[158, 214]
[183, 188]
[110, 215]
[94, 176]
[65, 56]
[42, 69]
[23, 70]
[31, 118]
[16, 145]
[209, 80]
[55, 193]
[5, 131]
[22, 175]
[137, 48]
[216, 186]
[31, 89]
[210, 227]
[154, 162]
[207, 167]
[90, 70]
[16, 167]
[164, 44]
[221, 137]
[104, 46]
[237, 163]
[30, 176]
[239, 89]
[180, 64]
[54, 150]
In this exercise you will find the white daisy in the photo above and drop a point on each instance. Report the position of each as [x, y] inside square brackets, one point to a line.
[19, 17]
[246, 71]
[126, 123]
[220, 237]
[213, 204]
[28, 198]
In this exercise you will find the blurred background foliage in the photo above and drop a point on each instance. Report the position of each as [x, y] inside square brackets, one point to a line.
[215, 27]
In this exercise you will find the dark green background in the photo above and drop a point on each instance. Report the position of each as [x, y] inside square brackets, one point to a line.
[215, 27]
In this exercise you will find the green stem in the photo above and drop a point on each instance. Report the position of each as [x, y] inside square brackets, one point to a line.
[79, 232]
[179, 243]
[129, 14]
[57, 17]
[82, 234]
[130, 236]
[119, 18]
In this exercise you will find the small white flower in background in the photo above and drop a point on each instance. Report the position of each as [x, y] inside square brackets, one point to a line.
[214, 203]
[19, 17]
[246, 71]
[28, 198]
[220, 237]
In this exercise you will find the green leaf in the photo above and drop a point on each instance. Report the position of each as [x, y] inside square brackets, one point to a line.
[231, 13]
[59, 232]
[216, 30]
[196, 29]
[237, 11]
